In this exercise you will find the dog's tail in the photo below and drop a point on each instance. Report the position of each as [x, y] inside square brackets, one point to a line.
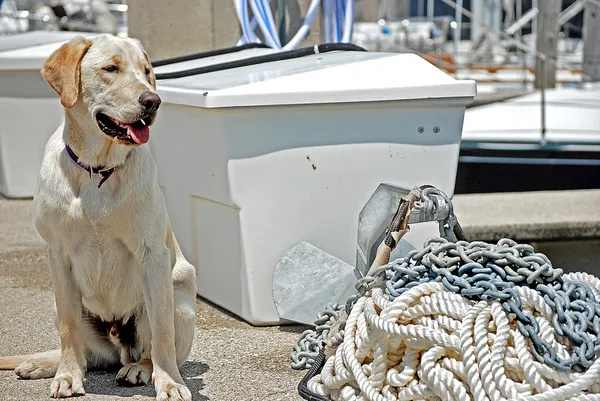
[11, 362]
[36, 366]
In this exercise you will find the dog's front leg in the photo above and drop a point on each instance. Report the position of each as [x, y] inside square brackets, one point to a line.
[158, 294]
[68, 380]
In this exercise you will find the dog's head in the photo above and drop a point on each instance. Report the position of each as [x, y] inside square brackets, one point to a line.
[111, 80]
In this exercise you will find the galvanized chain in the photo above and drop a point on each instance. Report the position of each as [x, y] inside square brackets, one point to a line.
[311, 341]
[433, 205]
[481, 271]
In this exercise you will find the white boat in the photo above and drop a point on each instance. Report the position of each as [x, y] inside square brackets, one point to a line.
[572, 116]
[525, 143]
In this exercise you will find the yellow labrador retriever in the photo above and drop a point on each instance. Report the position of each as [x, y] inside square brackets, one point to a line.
[124, 291]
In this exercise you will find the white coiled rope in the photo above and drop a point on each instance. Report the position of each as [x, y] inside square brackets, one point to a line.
[432, 344]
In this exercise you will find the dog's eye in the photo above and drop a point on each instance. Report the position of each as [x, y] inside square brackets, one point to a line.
[147, 70]
[110, 68]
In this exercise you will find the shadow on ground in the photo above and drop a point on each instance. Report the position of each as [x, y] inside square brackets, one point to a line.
[294, 328]
[103, 383]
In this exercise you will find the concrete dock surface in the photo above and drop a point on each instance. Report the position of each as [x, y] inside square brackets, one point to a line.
[230, 360]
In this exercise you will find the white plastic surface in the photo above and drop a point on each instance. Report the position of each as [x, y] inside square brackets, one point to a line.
[32, 57]
[29, 109]
[34, 38]
[336, 77]
[244, 184]
[22, 141]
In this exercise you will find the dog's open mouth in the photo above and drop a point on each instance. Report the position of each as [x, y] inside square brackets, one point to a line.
[134, 133]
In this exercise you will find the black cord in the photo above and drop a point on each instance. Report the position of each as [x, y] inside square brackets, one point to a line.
[315, 369]
[279, 56]
[210, 53]
[459, 232]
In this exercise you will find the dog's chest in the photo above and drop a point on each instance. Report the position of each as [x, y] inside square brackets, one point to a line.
[104, 269]
[107, 274]
[99, 204]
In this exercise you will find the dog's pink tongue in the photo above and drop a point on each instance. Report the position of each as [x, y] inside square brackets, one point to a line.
[139, 134]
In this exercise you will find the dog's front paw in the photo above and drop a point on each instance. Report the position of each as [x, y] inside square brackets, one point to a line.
[134, 374]
[65, 385]
[173, 392]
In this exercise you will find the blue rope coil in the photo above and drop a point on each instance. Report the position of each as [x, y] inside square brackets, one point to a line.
[481, 271]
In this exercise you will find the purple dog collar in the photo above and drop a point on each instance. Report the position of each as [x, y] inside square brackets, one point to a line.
[104, 173]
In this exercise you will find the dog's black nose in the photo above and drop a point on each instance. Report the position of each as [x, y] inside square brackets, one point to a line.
[150, 101]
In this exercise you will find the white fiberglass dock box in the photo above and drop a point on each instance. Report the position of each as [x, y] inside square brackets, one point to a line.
[252, 160]
[34, 38]
[29, 109]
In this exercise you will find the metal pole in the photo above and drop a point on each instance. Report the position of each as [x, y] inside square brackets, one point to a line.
[421, 8]
[458, 29]
[547, 42]
[571, 11]
[430, 11]
[509, 39]
[496, 15]
[516, 27]
[543, 100]
[591, 45]
[519, 34]
[534, 22]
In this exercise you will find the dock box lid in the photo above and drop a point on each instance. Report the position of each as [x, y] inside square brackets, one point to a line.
[335, 77]
[211, 60]
[34, 56]
[34, 38]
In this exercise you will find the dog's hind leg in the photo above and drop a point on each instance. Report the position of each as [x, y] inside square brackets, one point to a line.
[36, 366]
[184, 305]
[184, 299]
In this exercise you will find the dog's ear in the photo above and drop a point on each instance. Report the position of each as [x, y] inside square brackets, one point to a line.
[62, 72]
